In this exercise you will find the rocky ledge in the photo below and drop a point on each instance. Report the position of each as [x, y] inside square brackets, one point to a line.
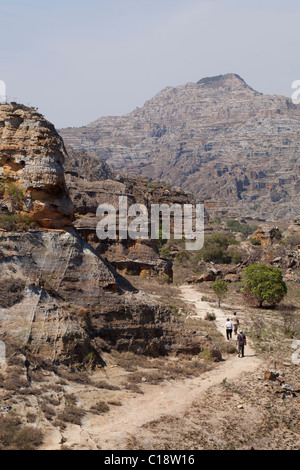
[60, 299]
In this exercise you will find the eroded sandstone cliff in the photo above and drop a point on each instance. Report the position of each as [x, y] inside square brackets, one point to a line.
[58, 297]
[31, 160]
[234, 148]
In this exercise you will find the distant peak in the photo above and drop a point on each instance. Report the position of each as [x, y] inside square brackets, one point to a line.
[226, 79]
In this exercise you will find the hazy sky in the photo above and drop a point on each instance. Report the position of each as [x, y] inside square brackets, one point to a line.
[78, 60]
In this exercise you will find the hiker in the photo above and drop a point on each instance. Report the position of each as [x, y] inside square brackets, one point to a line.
[236, 323]
[228, 329]
[241, 342]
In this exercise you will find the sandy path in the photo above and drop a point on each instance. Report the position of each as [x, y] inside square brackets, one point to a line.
[172, 398]
[190, 294]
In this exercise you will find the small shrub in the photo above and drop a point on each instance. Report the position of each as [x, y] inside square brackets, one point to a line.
[216, 220]
[210, 316]
[15, 436]
[255, 241]
[236, 257]
[106, 386]
[165, 253]
[11, 292]
[245, 229]
[205, 355]
[14, 222]
[71, 414]
[115, 403]
[10, 190]
[292, 241]
[220, 288]
[291, 325]
[49, 411]
[182, 256]
[153, 185]
[163, 279]
[100, 408]
[80, 377]
[215, 247]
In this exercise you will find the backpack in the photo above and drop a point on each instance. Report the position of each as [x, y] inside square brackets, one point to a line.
[241, 338]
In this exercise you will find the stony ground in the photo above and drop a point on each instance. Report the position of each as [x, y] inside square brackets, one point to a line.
[167, 403]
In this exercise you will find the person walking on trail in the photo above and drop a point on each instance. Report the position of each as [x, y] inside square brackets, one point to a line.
[241, 342]
[236, 323]
[228, 329]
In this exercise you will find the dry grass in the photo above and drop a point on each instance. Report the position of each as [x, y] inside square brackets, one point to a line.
[99, 408]
[105, 385]
[16, 379]
[15, 436]
[168, 294]
[81, 377]
[11, 292]
[71, 414]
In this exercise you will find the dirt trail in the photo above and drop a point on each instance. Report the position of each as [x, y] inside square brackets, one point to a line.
[112, 430]
[190, 294]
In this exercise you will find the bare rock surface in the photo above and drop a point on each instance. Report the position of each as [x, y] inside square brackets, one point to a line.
[234, 148]
[91, 183]
[60, 299]
[31, 157]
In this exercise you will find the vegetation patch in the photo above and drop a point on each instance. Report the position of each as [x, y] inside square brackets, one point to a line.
[15, 222]
[11, 292]
[15, 436]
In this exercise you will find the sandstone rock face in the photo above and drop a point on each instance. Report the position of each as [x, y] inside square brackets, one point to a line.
[101, 186]
[31, 157]
[293, 228]
[234, 148]
[58, 297]
[267, 236]
[63, 302]
[86, 167]
[127, 256]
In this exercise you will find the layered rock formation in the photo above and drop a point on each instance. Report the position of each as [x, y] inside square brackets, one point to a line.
[70, 304]
[31, 158]
[59, 298]
[87, 193]
[234, 148]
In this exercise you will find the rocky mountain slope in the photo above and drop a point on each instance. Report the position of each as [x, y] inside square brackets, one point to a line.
[59, 298]
[234, 148]
[91, 182]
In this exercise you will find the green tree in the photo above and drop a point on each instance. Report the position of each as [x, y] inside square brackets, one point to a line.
[10, 190]
[220, 288]
[263, 284]
[215, 247]
[245, 229]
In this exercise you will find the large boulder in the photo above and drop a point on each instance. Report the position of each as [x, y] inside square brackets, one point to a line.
[31, 160]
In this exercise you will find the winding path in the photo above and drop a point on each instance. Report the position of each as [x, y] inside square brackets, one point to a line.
[111, 431]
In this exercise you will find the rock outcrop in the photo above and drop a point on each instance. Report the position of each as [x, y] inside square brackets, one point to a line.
[96, 184]
[31, 160]
[234, 148]
[266, 236]
[59, 298]
[70, 304]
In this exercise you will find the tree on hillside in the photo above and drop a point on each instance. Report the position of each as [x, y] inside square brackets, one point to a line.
[245, 229]
[263, 284]
[215, 247]
[220, 288]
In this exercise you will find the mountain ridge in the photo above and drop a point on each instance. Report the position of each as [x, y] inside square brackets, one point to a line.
[236, 149]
